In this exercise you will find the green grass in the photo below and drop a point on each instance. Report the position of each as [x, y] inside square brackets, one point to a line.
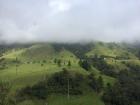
[30, 74]
[114, 51]
[12, 54]
[38, 52]
[106, 79]
[87, 99]
[57, 99]
[32, 102]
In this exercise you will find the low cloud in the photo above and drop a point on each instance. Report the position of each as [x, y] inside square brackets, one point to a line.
[69, 20]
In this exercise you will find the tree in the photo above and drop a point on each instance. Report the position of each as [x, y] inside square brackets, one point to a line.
[44, 61]
[85, 64]
[4, 90]
[55, 60]
[96, 84]
[107, 94]
[92, 81]
[16, 65]
[100, 84]
[42, 64]
[59, 62]
[114, 95]
[65, 82]
[69, 63]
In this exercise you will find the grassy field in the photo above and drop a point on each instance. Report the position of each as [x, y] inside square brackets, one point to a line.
[30, 74]
[87, 99]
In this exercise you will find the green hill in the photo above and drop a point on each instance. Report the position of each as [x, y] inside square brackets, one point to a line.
[26, 66]
[110, 50]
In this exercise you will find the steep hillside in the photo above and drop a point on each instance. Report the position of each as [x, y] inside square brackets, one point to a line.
[111, 50]
[39, 52]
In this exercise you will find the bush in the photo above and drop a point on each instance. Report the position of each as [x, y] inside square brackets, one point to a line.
[96, 83]
[37, 91]
[85, 64]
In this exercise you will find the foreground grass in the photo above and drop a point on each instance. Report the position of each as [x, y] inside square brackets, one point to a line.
[29, 74]
[55, 99]
[89, 99]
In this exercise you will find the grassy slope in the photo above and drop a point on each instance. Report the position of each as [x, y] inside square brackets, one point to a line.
[87, 99]
[110, 50]
[29, 74]
[106, 79]
[38, 52]
[113, 50]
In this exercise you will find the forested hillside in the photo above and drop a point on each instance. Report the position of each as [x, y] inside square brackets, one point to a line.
[94, 73]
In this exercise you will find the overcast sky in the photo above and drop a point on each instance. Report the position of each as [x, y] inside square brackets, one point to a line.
[69, 20]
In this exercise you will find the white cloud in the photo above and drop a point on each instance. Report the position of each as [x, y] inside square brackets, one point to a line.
[58, 6]
[69, 20]
[11, 33]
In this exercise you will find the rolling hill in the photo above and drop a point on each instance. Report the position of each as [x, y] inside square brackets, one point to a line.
[36, 61]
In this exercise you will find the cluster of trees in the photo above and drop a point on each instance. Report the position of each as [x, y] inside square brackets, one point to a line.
[33, 62]
[125, 91]
[2, 64]
[100, 64]
[96, 83]
[64, 82]
[39, 91]
[59, 62]
[4, 98]
[56, 61]
[85, 64]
